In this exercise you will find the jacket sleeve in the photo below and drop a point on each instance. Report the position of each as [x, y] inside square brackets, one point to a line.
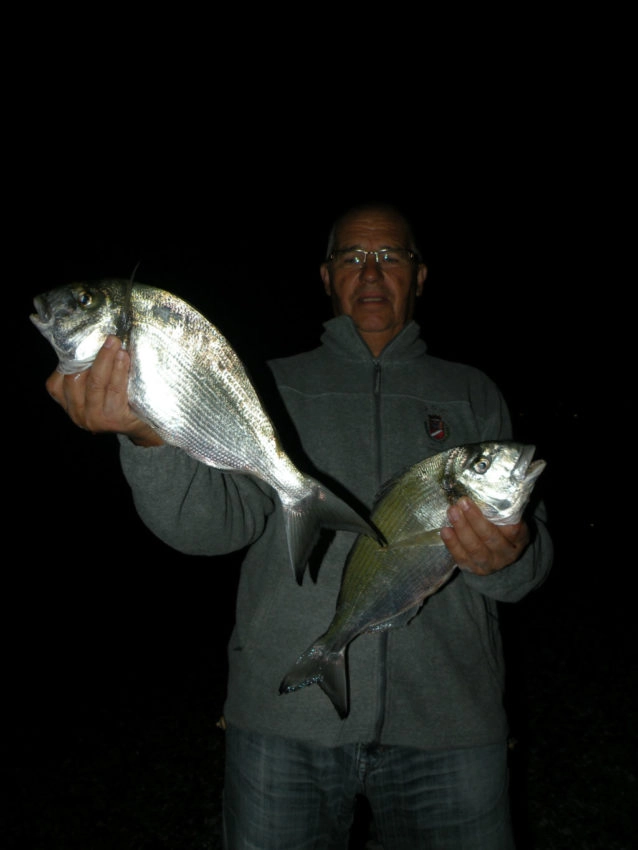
[192, 507]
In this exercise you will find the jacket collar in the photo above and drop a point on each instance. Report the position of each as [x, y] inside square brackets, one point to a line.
[343, 339]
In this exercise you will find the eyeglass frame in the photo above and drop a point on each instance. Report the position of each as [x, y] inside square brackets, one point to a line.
[412, 255]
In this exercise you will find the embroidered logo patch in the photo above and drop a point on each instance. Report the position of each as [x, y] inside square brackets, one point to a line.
[436, 427]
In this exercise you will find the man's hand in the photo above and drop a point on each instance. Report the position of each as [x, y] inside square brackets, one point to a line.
[97, 399]
[478, 545]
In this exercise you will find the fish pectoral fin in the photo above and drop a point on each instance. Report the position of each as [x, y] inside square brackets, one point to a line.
[431, 537]
[327, 669]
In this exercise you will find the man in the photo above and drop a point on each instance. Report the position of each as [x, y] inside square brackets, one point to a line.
[426, 736]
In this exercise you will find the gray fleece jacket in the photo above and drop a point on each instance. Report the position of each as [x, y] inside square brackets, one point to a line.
[435, 683]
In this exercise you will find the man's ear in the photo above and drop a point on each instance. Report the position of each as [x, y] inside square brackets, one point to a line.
[421, 275]
[325, 277]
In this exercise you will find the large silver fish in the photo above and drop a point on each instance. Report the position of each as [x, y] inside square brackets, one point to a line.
[385, 587]
[190, 385]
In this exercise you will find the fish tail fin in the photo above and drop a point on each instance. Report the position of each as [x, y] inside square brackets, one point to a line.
[320, 509]
[323, 667]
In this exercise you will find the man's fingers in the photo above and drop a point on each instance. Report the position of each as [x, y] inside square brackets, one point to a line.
[478, 545]
[96, 399]
[116, 396]
[54, 385]
[106, 391]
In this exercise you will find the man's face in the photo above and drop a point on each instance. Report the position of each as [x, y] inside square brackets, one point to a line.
[379, 296]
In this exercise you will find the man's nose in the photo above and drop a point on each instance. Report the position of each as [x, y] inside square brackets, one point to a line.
[371, 267]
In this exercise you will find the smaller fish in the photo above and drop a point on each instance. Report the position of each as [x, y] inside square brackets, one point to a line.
[385, 587]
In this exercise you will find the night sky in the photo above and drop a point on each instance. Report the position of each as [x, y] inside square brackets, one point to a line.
[121, 158]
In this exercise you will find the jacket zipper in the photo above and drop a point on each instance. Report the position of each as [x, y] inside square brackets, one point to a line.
[383, 636]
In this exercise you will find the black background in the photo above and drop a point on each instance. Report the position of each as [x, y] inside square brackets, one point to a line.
[225, 197]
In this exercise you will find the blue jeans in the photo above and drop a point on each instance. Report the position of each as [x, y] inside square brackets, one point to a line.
[282, 794]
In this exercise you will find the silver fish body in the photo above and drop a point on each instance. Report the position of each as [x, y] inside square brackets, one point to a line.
[385, 587]
[189, 384]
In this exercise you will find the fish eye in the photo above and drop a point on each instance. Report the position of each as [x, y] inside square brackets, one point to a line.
[85, 298]
[482, 465]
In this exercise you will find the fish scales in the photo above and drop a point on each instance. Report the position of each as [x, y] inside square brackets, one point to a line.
[385, 587]
[190, 385]
[204, 413]
[174, 352]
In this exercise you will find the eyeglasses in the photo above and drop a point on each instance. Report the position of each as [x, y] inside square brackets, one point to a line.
[355, 257]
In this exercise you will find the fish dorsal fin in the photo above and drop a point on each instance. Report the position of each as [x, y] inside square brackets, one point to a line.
[124, 320]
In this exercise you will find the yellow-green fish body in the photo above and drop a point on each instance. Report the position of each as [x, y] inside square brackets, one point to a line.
[385, 587]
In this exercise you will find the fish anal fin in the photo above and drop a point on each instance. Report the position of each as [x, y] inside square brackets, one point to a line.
[401, 619]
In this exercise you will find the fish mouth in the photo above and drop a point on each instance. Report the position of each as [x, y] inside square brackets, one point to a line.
[44, 315]
[527, 469]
